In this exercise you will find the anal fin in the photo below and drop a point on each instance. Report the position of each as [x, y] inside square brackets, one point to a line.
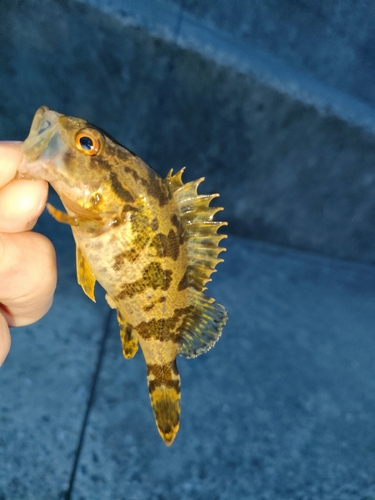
[202, 327]
[128, 338]
[85, 276]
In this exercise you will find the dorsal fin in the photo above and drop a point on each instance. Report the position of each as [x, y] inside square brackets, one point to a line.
[205, 320]
[200, 230]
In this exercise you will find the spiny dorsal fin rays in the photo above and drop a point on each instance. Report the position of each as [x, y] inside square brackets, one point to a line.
[204, 214]
[200, 200]
[203, 227]
[191, 205]
[200, 230]
[188, 191]
[175, 181]
[203, 325]
[208, 242]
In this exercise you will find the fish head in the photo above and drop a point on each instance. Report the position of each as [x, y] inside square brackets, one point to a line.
[76, 158]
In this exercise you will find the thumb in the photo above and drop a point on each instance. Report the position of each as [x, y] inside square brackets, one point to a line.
[4, 339]
[27, 277]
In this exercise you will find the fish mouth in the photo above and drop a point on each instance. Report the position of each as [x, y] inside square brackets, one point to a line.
[42, 143]
[41, 132]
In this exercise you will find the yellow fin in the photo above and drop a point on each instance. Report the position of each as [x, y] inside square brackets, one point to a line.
[199, 230]
[61, 216]
[81, 216]
[166, 405]
[85, 276]
[79, 211]
[164, 388]
[202, 326]
[128, 339]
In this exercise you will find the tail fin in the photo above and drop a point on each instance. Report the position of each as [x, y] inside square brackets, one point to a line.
[164, 387]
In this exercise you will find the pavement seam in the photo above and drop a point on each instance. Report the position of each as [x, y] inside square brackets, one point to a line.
[90, 403]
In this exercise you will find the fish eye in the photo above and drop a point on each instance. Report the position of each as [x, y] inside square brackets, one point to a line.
[88, 141]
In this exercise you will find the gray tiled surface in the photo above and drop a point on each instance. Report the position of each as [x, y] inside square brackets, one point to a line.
[281, 408]
[44, 386]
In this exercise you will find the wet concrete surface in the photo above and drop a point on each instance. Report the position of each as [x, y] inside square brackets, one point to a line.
[281, 408]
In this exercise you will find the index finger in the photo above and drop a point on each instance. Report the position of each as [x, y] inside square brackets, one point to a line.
[10, 158]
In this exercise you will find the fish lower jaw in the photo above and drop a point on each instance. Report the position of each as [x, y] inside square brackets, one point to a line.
[32, 170]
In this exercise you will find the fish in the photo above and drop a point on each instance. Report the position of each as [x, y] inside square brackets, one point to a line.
[151, 242]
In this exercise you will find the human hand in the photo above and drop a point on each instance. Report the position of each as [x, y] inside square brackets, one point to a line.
[27, 259]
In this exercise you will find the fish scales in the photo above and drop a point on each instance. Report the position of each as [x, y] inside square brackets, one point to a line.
[152, 243]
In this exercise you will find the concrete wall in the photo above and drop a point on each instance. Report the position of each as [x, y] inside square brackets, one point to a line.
[334, 40]
[271, 101]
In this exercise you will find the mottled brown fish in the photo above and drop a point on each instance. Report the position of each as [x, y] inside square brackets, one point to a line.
[152, 243]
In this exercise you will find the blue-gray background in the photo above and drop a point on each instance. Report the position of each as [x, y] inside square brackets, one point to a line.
[273, 102]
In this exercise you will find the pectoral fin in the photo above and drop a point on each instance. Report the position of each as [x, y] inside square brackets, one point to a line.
[81, 213]
[61, 216]
[85, 276]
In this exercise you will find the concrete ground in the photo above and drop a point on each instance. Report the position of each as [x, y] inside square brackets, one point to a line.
[282, 408]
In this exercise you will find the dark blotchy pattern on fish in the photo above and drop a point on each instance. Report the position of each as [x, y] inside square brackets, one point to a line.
[151, 242]
[153, 276]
